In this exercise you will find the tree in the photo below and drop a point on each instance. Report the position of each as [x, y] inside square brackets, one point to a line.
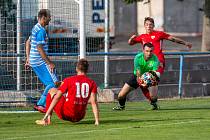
[206, 27]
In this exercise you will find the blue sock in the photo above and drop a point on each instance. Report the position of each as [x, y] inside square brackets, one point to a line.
[42, 100]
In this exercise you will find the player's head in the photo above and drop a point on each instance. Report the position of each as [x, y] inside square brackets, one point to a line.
[148, 50]
[82, 66]
[149, 24]
[44, 16]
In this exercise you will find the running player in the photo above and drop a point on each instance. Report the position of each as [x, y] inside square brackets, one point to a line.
[156, 37]
[70, 100]
[143, 62]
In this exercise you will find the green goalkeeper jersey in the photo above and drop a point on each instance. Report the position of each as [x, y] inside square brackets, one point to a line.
[144, 66]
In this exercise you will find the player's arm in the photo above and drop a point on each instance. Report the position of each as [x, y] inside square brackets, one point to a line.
[47, 118]
[43, 54]
[137, 68]
[55, 100]
[94, 104]
[180, 41]
[40, 44]
[45, 57]
[138, 73]
[131, 40]
[134, 39]
[28, 47]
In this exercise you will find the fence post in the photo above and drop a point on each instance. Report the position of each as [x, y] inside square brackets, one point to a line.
[82, 39]
[106, 41]
[180, 75]
[18, 44]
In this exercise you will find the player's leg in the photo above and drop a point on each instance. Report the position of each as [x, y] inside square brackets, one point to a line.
[161, 67]
[42, 100]
[154, 89]
[48, 120]
[146, 92]
[58, 109]
[50, 96]
[122, 97]
[48, 79]
[154, 97]
[130, 85]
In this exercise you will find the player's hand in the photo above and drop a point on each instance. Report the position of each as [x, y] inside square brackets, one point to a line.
[141, 82]
[52, 66]
[188, 44]
[96, 123]
[130, 41]
[42, 122]
[27, 64]
[45, 121]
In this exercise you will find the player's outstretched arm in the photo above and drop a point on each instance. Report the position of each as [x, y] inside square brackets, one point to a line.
[94, 103]
[180, 41]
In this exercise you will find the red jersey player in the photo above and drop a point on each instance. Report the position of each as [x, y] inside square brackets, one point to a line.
[156, 37]
[70, 100]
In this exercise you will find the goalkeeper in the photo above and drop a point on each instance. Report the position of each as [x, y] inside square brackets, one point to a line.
[145, 62]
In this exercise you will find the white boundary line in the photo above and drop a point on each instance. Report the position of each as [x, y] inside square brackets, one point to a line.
[17, 112]
[110, 129]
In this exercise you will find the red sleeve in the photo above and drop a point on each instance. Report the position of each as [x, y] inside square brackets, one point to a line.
[64, 86]
[138, 39]
[164, 35]
[94, 88]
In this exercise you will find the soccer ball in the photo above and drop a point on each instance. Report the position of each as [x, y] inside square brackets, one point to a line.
[149, 79]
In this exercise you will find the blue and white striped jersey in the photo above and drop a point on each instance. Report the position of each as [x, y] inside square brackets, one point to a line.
[38, 36]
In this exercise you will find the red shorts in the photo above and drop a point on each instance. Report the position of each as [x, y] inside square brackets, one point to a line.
[59, 110]
[161, 67]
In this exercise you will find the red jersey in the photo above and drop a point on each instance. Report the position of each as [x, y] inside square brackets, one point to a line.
[78, 90]
[155, 38]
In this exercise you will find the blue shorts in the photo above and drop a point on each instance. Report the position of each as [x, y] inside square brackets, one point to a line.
[44, 74]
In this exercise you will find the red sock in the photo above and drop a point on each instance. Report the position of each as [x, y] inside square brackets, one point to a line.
[146, 93]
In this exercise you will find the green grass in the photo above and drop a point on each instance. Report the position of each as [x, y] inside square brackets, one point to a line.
[184, 119]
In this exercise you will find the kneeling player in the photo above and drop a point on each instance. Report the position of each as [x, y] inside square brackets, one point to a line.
[70, 100]
[143, 62]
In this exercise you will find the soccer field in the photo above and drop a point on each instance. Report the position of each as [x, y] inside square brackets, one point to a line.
[181, 119]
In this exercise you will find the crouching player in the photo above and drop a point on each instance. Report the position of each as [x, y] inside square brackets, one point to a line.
[143, 62]
[70, 100]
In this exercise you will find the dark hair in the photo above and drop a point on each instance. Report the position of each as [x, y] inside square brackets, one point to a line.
[83, 65]
[43, 13]
[149, 19]
[148, 44]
